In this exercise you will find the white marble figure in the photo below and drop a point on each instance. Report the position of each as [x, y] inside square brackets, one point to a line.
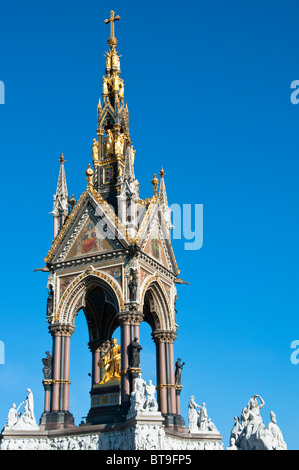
[237, 429]
[192, 415]
[252, 434]
[211, 426]
[138, 396]
[232, 445]
[151, 404]
[12, 417]
[202, 418]
[278, 440]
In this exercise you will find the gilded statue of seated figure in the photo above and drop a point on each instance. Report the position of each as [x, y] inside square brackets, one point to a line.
[111, 363]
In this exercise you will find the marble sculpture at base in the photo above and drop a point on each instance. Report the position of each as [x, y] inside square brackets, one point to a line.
[250, 432]
[143, 430]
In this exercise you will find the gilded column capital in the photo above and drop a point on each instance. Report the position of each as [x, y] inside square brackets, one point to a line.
[164, 336]
[47, 384]
[61, 329]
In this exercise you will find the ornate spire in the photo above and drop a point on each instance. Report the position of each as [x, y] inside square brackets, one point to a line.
[162, 192]
[61, 185]
[110, 149]
[129, 165]
[60, 199]
[163, 201]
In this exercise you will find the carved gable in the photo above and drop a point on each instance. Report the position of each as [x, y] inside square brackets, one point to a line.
[90, 233]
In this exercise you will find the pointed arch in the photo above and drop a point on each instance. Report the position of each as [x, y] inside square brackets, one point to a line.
[155, 305]
[92, 291]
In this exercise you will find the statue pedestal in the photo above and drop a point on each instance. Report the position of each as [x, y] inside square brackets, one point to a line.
[147, 430]
[139, 417]
[105, 403]
[56, 420]
[176, 422]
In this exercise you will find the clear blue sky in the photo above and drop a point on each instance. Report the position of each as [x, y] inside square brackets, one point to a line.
[208, 90]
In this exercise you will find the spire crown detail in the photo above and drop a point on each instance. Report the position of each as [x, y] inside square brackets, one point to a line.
[62, 159]
[61, 190]
[113, 154]
[112, 41]
[113, 141]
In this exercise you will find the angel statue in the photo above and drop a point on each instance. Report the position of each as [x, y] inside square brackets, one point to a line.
[115, 60]
[95, 150]
[119, 144]
[108, 145]
[105, 86]
[121, 89]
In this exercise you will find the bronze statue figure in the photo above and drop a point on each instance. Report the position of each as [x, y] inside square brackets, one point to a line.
[133, 286]
[178, 371]
[47, 369]
[134, 353]
[50, 302]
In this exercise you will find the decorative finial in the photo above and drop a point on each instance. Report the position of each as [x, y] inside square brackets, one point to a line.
[162, 173]
[155, 183]
[112, 41]
[62, 159]
[89, 174]
[72, 202]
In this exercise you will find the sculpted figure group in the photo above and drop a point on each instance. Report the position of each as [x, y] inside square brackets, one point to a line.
[143, 397]
[112, 144]
[250, 433]
[198, 420]
[25, 420]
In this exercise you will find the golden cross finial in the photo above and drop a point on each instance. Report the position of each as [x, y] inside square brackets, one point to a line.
[111, 20]
[62, 159]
